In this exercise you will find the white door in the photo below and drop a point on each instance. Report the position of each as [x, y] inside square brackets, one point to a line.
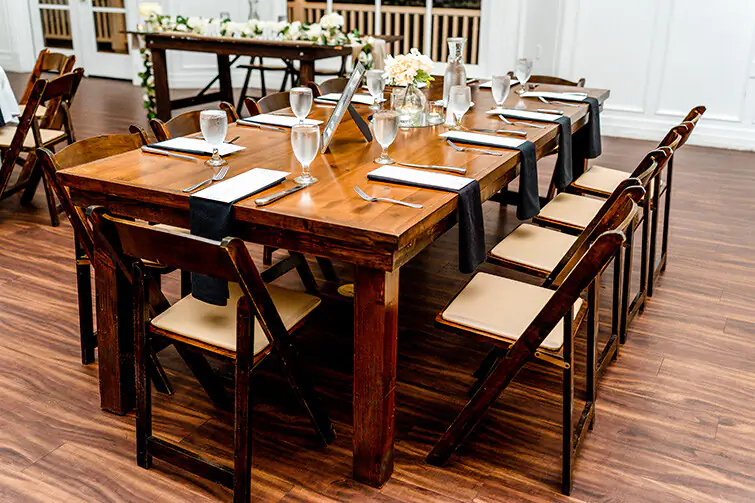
[92, 30]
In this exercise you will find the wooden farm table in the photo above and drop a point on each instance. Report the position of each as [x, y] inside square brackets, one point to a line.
[327, 219]
[158, 43]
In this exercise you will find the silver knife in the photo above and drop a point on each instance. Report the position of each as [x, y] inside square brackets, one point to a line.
[261, 126]
[159, 151]
[452, 169]
[549, 111]
[502, 131]
[263, 201]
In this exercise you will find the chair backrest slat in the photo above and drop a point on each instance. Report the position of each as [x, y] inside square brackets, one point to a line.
[653, 163]
[336, 85]
[58, 98]
[185, 124]
[273, 102]
[47, 62]
[549, 79]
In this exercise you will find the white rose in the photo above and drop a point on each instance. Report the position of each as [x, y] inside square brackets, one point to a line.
[314, 31]
[146, 9]
[197, 24]
[332, 20]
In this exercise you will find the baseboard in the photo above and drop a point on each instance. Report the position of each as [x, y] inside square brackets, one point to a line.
[708, 133]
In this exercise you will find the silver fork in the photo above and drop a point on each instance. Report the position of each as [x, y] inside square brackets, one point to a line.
[371, 199]
[559, 102]
[516, 123]
[472, 149]
[215, 178]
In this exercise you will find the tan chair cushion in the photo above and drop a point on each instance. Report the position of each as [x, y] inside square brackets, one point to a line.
[41, 110]
[571, 209]
[601, 179]
[503, 308]
[216, 325]
[48, 135]
[534, 246]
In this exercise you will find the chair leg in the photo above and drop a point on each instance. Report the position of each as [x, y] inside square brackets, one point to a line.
[305, 273]
[617, 302]
[304, 391]
[185, 283]
[326, 266]
[242, 421]
[52, 206]
[31, 174]
[157, 372]
[666, 214]
[567, 431]
[142, 353]
[86, 316]
[262, 78]
[644, 254]
[626, 284]
[593, 328]
[653, 234]
[245, 87]
[484, 369]
[267, 255]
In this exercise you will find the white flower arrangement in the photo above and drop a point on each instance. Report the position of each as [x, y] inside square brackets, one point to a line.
[327, 32]
[406, 69]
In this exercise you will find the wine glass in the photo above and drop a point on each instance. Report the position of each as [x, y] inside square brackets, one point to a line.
[214, 126]
[501, 86]
[376, 86]
[301, 102]
[385, 128]
[305, 139]
[523, 72]
[459, 101]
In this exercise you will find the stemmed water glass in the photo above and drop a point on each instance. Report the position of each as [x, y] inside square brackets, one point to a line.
[385, 128]
[459, 101]
[214, 126]
[501, 86]
[301, 102]
[305, 139]
[523, 72]
[376, 87]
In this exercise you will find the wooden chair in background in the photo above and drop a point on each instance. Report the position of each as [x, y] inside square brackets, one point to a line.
[47, 62]
[528, 320]
[186, 123]
[336, 85]
[258, 321]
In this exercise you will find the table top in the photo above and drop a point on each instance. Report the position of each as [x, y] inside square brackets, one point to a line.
[328, 218]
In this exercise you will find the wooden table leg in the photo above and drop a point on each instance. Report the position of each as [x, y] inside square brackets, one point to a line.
[306, 72]
[114, 334]
[375, 348]
[224, 77]
[162, 91]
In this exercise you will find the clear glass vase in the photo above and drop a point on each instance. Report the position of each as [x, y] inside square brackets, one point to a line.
[456, 73]
[411, 104]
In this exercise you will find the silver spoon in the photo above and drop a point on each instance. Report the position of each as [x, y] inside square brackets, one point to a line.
[371, 199]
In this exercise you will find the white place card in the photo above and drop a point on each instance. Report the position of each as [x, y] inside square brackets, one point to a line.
[489, 84]
[397, 174]
[524, 114]
[556, 96]
[483, 139]
[277, 120]
[243, 185]
[364, 99]
[194, 146]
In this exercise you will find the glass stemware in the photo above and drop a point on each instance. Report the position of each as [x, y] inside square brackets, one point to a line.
[214, 126]
[301, 102]
[305, 139]
[385, 129]
[376, 87]
[523, 72]
[501, 86]
[459, 101]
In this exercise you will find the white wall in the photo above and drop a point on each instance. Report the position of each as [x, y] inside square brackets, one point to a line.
[660, 58]
[16, 51]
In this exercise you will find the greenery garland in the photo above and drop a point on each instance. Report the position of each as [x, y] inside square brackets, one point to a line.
[327, 32]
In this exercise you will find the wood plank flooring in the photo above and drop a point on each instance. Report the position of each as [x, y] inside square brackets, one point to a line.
[675, 414]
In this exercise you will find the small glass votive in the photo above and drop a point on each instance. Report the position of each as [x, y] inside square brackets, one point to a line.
[436, 113]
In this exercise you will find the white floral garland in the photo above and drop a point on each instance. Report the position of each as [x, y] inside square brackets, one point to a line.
[327, 32]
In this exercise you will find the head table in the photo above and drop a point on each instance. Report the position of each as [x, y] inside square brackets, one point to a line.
[328, 220]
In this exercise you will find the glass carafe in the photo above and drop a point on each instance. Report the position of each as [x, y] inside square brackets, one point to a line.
[456, 74]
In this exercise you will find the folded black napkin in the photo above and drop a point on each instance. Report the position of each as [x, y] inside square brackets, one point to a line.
[562, 174]
[2, 120]
[471, 226]
[593, 148]
[212, 220]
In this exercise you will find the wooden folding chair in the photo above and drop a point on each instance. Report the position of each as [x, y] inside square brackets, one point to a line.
[532, 322]
[545, 253]
[258, 321]
[186, 123]
[47, 62]
[336, 85]
[572, 213]
[273, 102]
[82, 152]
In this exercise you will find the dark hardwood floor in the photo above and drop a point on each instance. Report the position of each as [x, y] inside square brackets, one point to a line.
[675, 414]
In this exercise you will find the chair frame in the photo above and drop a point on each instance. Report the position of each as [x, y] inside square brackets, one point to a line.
[584, 273]
[186, 123]
[47, 62]
[228, 260]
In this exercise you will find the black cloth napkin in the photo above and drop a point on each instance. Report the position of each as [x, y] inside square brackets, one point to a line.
[593, 147]
[562, 175]
[2, 120]
[212, 220]
[471, 226]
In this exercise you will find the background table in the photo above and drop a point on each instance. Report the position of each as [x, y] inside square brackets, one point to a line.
[327, 219]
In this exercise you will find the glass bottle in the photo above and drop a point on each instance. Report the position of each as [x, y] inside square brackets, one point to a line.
[456, 73]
